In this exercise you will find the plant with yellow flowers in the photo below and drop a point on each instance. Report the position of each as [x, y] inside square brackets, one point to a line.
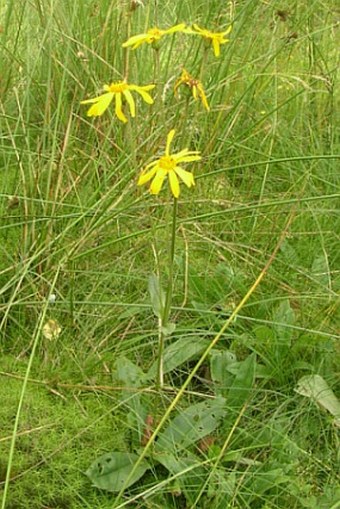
[194, 85]
[118, 91]
[215, 38]
[152, 36]
[157, 171]
[168, 166]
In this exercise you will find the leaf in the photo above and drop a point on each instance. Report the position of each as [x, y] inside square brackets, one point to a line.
[129, 373]
[289, 253]
[242, 384]
[284, 316]
[157, 295]
[188, 470]
[132, 377]
[220, 364]
[320, 269]
[169, 329]
[110, 471]
[179, 352]
[194, 423]
[317, 389]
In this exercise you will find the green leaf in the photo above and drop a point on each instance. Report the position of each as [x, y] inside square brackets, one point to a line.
[191, 474]
[169, 329]
[242, 385]
[157, 295]
[317, 389]
[320, 270]
[110, 471]
[132, 376]
[194, 423]
[179, 352]
[129, 373]
[284, 316]
[221, 369]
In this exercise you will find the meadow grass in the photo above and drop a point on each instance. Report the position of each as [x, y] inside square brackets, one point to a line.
[256, 265]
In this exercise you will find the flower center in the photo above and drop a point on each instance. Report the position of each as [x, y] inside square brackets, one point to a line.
[155, 33]
[167, 163]
[117, 88]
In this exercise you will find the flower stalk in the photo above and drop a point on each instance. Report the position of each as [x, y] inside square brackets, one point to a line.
[164, 320]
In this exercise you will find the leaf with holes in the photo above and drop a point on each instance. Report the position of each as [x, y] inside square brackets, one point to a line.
[191, 425]
[112, 471]
[179, 352]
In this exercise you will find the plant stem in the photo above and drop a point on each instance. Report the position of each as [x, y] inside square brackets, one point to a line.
[163, 322]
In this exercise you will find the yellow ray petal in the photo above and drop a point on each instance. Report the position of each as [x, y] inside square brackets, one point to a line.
[186, 176]
[174, 184]
[131, 102]
[176, 28]
[188, 159]
[227, 31]
[100, 106]
[169, 139]
[141, 91]
[146, 176]
[216, 46]
[136, 39]
[156, 184]
[118, 108]
[179, 157]
[94, 100]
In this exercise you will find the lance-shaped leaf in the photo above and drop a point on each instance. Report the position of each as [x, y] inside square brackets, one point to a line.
[179, 352]
[112, 471]
[316, 388]
[157, 295]
[194, 423]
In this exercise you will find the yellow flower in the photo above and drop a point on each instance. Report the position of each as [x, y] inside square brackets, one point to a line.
[117, 90]
[167, 165]
[195, 86]
[153, 35]
[216, 38]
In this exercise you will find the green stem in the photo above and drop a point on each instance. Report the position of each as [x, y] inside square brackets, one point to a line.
[163, 322]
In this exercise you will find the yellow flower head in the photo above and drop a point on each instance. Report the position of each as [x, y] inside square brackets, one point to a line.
[117, 91]
[167, 165]
[153, 35]
[195, 86]
[216, 38]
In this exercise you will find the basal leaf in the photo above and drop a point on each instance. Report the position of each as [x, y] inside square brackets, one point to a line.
[242, 384]
[194, 423]
[316, 388]
[110, 471]
[179, 352]
[284, 316]
[129, 373]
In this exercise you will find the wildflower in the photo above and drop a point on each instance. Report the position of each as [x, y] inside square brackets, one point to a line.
[195, 86]
[167, 165]
[153, 35]
[216, 38]
[51, 330]
[117, 90]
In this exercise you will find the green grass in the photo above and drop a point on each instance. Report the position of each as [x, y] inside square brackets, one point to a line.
[74, 224]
